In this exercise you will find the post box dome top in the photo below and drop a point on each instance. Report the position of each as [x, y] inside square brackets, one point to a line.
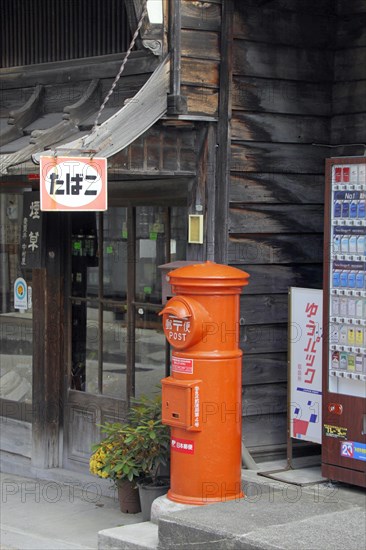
[208, 274]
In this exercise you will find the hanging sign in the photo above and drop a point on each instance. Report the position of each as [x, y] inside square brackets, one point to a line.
[20, 294]
[306, 364]
[73, 184]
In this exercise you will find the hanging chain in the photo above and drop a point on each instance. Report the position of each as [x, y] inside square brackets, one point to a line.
[132, 43]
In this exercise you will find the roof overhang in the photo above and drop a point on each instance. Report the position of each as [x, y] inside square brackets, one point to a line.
[139, 114]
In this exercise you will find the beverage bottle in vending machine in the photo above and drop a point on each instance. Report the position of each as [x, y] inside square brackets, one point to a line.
[351, 308]
[353, 210]
[343, 360]
[336, 278]
[361, 244]
[335, 305]
[352, 244]
[359, 336]
[361, 209]
[345, 244]
[351, 362]
[335, 360]
[343, 335]
[345, 209]
[359, 308]
[337, 209]
[343, 306]
[351, 336]
[336, 244]
[351, 279]
[360, 280]
[344, 279]
[359, 363]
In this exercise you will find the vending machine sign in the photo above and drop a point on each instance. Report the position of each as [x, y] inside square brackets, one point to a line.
[306, 364]
[73, 184]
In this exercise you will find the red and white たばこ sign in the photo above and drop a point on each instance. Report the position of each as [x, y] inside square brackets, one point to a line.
[73, 184]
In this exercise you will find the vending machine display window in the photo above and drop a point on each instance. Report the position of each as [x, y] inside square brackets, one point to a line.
[347, 303]
[344, 355]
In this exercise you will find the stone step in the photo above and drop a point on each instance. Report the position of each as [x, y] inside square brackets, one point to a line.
[141, 536]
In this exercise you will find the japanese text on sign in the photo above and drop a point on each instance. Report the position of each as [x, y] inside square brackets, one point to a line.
[73, 183]
[177, 329]
[31, 231]
[313, 339]
[182, 445]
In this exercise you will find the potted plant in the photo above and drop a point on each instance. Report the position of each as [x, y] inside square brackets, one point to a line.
[133, 453]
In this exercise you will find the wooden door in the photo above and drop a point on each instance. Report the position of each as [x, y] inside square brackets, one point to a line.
[116, 346]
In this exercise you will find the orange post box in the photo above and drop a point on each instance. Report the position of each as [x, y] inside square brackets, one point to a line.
[201, 400]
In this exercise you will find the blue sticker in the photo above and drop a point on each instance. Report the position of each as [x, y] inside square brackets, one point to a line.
[353, 449]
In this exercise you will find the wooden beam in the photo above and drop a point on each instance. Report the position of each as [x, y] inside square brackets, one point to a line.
[266, 368]
[349, 97]
[274, 278]
[281, 96]
[270, 157]
[279, 128]
[273, 25]
[349, 128]
[223, 135]
[350, 64]
[74, 70]
[273, 188]
[258, 59]
[279, 218]
[275, 249]
[266, 308]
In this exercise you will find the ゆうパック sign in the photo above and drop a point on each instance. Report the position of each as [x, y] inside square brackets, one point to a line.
[73, 184]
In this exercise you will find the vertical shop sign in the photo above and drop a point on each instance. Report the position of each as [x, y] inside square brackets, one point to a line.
[31, 249]
[306, 364]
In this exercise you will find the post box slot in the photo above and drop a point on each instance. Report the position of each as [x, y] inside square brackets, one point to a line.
[177, 402]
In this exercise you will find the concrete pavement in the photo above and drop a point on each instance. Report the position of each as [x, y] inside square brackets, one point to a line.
[51, 515]
[47, 515]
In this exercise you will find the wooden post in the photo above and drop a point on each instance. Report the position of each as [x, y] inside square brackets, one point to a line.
[48, 349]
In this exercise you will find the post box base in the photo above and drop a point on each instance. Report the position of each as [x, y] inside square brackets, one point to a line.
[200, 501]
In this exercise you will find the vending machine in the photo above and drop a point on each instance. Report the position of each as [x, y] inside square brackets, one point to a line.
[344, 339]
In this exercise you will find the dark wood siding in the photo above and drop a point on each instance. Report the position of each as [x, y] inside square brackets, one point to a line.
[349, 91]
[281, 106]
[41, 31]
[200, 60]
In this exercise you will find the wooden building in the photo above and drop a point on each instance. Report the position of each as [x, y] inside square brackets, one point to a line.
[226, 108]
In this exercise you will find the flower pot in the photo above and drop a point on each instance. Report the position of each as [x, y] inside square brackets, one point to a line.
[128, 497]
[149, 492]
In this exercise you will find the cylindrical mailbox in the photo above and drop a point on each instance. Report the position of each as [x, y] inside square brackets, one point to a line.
[201, 400]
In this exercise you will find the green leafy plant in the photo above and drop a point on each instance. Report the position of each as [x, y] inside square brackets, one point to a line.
[135, 449]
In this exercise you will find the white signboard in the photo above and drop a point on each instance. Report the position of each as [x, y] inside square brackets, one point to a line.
[20, 294]
[73, 184]
[306, 331]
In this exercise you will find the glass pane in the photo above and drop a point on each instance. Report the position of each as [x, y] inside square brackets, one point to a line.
[115, 253]
[16, 332]
[150, 351]
[85, 339]
[84, 253]
[114, 351]
[150, 252]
